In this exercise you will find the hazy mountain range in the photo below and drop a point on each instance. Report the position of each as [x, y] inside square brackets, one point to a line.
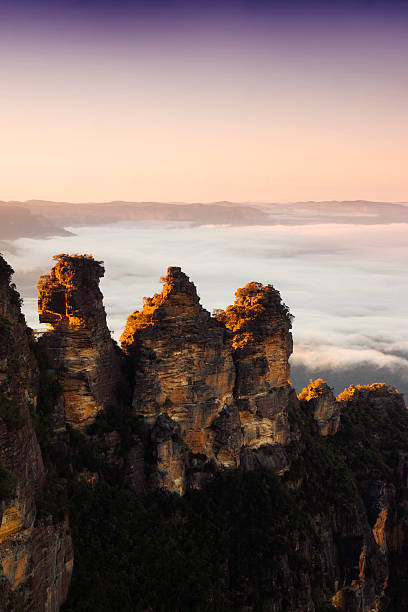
[41, 218]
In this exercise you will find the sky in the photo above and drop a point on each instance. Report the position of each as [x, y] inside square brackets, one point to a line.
[203, 101]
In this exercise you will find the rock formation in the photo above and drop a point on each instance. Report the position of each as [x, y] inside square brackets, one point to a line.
[223, 380]
[262, 345]
[188, 400]
[326, 409]
[381, 466]
[35, 557]
[80, 344]
[184, 370]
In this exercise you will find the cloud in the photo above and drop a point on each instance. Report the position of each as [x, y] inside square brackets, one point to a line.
[334, 357]
[345, 284]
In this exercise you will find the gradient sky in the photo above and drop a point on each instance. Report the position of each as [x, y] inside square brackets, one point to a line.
[202, 101]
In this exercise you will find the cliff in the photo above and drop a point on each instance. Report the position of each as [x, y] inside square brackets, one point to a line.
[262, 344]
[362, 532]
[79, 343]
[35, 556]
[214, 390]
[184, 381]
[318, 396]
[287, 502]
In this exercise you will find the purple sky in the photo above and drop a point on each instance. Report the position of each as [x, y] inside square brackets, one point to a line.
[203, 100]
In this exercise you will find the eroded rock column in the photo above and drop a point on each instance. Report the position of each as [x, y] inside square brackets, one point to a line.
[79, 342]
[262, 345]
[184, 370]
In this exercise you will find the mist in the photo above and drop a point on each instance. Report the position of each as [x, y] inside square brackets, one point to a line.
[343, 283]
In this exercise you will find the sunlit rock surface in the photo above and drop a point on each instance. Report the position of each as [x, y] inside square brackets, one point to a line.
[319, 397]
[222, 379]
[262, 344]
[184, 369]
[208, 393]
[80, 344]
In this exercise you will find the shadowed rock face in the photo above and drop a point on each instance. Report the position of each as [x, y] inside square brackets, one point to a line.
[36, 558]
[214, 394]
[70, 301]
[384, 496]
[319, 397]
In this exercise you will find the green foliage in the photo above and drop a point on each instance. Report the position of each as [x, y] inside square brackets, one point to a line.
[49, 393]
[117, 418]
[5, 325]
[165, 552]
[320, 464]
[4, 483]
[10, 413]
[54, 500]
[370, 440]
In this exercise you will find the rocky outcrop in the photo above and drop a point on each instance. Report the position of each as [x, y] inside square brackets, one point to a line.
[382, 476]
[222, 380]
[262, 344]
[319, 397]
[79, 343]
[203, 394]
[35, 557]
[184, 370]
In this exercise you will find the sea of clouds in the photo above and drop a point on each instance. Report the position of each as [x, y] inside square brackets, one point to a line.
[345, 284]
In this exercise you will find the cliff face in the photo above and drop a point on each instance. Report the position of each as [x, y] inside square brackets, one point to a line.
[316, 518]
[185, 372]
[262, 344]
[79, 343]
[362, 538]
[223, 381]
[326, 409]
[36, 558]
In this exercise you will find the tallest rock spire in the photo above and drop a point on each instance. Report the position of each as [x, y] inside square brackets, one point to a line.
[184, 381]
[70, 301]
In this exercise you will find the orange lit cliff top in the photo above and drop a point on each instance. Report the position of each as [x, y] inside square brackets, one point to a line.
[356, 392]
[257, 311]
[70, 294]
[178, 297]
[314, 390]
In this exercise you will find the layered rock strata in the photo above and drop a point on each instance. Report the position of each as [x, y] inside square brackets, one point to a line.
[35, 557]
[262, 344]
[185, 371]
[222, 381]
[213, 393]
[79, 343]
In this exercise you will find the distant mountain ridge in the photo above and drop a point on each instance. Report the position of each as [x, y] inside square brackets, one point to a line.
[43, 218]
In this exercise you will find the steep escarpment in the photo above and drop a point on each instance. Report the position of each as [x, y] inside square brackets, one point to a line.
[194, 476]
[359, 490]
[329, 534]
[318, 396]
[35, 554]
[79, 343]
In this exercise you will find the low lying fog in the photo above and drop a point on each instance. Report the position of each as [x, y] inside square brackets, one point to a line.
[345, 284]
